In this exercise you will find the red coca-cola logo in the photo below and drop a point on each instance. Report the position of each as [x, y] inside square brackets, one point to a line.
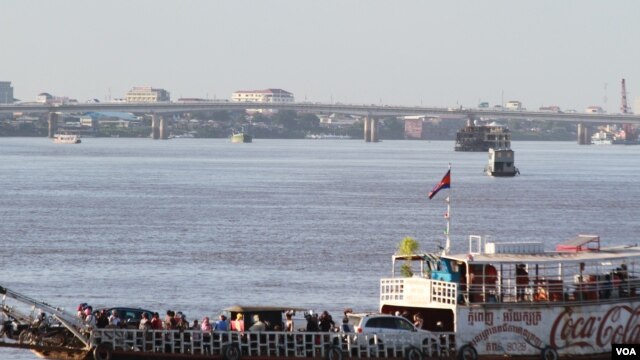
[619, 325]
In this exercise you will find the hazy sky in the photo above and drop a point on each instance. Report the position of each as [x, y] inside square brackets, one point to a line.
[437, 53]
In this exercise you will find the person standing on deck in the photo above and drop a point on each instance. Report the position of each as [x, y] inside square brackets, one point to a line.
[522, 281]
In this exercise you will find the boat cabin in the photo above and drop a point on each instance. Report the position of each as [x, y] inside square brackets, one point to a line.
[501, 163]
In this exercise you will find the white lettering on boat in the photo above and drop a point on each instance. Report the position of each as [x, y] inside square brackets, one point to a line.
[572, 329]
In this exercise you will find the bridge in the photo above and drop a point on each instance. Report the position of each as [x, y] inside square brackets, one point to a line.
[370, 112]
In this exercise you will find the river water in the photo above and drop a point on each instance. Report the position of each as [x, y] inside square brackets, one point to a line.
[196, 225]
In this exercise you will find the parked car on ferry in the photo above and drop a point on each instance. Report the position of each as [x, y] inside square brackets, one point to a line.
[395, 330]
[130, 316]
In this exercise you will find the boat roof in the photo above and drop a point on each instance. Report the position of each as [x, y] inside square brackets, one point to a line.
[622, 253]
[250, 308]
[602, 255]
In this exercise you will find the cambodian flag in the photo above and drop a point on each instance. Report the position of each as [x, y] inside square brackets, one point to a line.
[445, 183]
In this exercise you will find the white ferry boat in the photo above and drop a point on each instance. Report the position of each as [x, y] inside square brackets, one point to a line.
[602, 138]
[66, 139]
[501, 163]
[515, 299]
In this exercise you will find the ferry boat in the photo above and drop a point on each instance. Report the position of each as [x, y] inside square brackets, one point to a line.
[66, 139]
[501, 163]
[516, 299]
[475, 137]
[602, 138]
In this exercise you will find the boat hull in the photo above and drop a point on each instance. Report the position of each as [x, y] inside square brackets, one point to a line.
[570, 330]
[241, 138]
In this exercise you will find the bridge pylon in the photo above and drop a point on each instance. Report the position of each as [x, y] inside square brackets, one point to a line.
[53, 124]
[370, 129]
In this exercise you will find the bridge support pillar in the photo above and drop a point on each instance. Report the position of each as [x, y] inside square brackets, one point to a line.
[584, 136]
[367, 131]
[155, 127]
[53, 124]
[164, 130]
[370, 129]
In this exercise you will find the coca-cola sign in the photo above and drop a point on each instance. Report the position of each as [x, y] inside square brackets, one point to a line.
[619, 325]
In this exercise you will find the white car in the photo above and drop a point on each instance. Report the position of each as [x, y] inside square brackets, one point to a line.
[388, 333]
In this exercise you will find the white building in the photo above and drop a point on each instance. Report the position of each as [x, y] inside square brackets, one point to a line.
[263, 96]
[147, 94]
[594, 110]
[513, 105]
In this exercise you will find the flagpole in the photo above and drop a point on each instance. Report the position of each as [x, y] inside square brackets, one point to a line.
[447, 246]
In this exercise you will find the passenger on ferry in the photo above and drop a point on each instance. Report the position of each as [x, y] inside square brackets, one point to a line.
[181, 321]
[522, 281]
[325, 323]
[114, 319]
[89, 318]
[623, 278]
[103, 319]
[206, 325]
[222, 324]
[406, 315]
[170, 320]
[258, 325]
[607, 287]
[288, 323]
[345, 325]
[81, 315]
[238, 323]
[145, 323]
[312, 321]
[195, 325]
[156, 324]
[418, 321]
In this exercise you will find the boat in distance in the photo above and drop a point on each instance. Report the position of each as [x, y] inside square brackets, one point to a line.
[241, 137]
[66, 139]
[501, 163]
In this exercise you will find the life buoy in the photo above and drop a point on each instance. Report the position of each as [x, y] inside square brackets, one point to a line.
[102, 352]
[231, 352]
[334, 352]
[413, 353]
[549, 353]
[467, 352]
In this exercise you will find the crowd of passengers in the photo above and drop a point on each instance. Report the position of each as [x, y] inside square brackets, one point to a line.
[482, 285]
[178, 321]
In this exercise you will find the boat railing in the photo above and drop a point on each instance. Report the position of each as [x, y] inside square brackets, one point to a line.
[273, 343]
[418, 289]
[607, 287]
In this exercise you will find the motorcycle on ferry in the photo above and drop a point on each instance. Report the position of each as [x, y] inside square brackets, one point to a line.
[41, 332]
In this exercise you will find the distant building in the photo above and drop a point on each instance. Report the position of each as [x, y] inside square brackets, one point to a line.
[147, 94]
[44, 98]
[551, 108]
[513, 105]
[263, 96]
[414, 126]
[594, 110]
[6, 92]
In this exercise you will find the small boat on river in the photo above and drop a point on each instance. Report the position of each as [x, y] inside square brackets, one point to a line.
[501, 163]
[66, 139]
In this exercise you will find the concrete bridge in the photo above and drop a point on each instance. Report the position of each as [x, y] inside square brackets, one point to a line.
[370, 112]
